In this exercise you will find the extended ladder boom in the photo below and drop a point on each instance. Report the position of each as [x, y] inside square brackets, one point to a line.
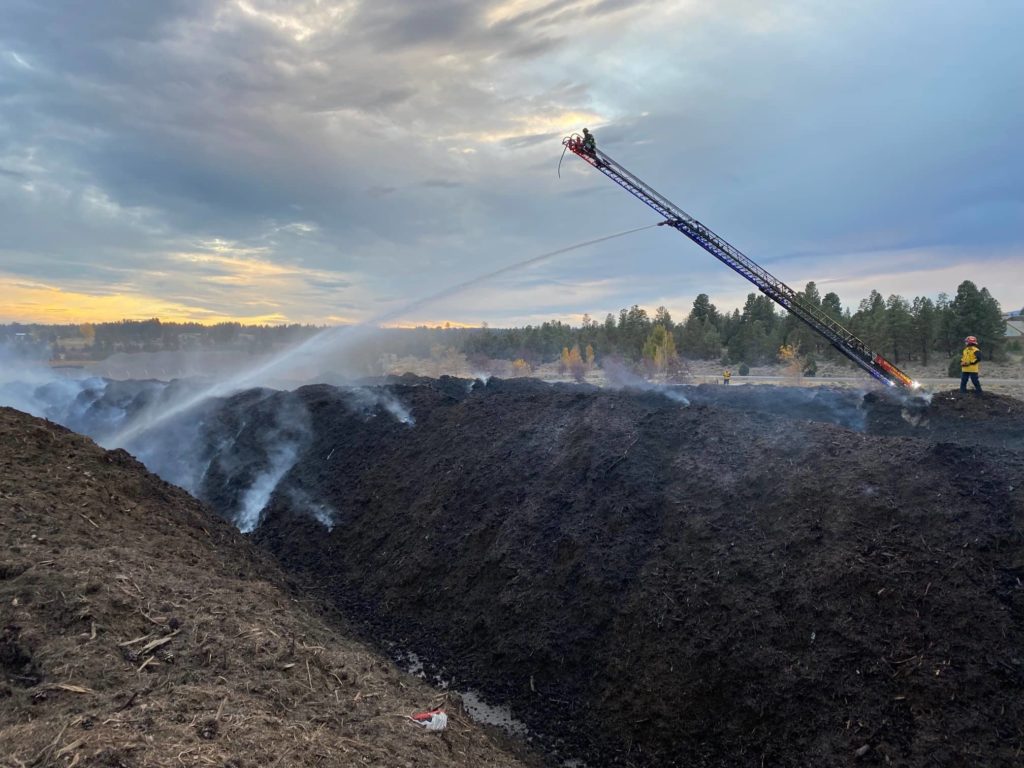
[840, 338]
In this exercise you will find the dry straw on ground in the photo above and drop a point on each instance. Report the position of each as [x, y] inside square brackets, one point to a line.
[137, 630]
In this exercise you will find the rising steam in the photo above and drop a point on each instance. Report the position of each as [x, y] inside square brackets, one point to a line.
[179, 429]
[621, 377]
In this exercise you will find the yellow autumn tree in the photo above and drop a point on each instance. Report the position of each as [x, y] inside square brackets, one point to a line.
[521, 368]
[574, 363]
[563, 360]
[789, 356]
[660, 351]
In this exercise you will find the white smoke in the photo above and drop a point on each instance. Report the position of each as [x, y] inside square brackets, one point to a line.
[255, 440]
[320, 511]
[367, 401]
[75, 401]
[282, 457]
[189, 443]
[621, 377]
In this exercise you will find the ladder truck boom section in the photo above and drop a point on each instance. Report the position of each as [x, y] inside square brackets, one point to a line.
[675, 217]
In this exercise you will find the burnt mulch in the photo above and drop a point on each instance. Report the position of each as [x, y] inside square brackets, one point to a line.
[647, 583]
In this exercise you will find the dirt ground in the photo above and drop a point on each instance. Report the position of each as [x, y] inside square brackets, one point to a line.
[137, 629]
[759, 578]
[1005, 377]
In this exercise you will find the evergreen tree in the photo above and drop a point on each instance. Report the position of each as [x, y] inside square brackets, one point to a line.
[799, 333]
[899, 328]
[945, 325]
[924, 324]
[869, 321]
[833, 306]
[634, 327]
[976, 313]
[663, 318]
[703, 309]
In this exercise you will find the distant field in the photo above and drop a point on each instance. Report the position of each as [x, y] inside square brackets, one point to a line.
[1005, 377]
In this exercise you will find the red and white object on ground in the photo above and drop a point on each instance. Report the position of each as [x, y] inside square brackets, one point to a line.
[434, 720]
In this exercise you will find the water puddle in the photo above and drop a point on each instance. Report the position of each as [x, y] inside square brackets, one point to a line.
[490, 714]
[479, 710]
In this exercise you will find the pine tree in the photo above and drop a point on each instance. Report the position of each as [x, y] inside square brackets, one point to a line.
[663, 318]
[833, 306]
[899, 328]
[976, 313]
[703, 309]
[923, 313]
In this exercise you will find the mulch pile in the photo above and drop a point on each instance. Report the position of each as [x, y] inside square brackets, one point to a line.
[137, 629]
[647, 583]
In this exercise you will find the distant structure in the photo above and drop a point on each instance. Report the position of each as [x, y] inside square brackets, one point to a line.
[1014, 324]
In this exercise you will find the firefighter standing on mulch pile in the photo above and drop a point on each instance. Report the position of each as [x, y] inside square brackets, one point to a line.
[969, 367]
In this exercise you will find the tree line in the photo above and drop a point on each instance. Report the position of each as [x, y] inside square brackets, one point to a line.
[97, 341]
[900, 329]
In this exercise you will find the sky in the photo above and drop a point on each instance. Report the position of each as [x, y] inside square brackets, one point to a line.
[273, 161]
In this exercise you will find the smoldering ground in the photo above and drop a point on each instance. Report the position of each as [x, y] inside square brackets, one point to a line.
[230, 451]
[649, 584]
[640, 581]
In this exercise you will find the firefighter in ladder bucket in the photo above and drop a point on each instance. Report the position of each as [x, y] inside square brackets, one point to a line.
[589, 142]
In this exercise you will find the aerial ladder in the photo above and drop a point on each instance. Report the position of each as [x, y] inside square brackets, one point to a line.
[836, 335]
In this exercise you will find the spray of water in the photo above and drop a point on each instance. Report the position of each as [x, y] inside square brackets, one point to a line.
[329, 340]
[234, 458]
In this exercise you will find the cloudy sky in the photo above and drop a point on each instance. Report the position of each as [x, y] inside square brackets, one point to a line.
[321, 161]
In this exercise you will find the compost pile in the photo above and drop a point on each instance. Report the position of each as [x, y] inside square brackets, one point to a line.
[138, 629]
[761, 577]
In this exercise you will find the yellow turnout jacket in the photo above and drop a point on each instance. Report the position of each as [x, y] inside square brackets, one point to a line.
[969, 360]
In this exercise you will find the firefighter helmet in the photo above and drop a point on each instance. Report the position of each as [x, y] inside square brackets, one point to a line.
[971, 340]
